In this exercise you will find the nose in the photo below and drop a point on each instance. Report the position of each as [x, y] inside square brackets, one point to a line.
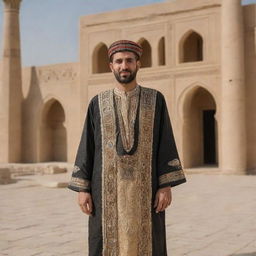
[124, 65]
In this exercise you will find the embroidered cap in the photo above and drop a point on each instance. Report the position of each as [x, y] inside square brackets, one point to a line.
[123, 46]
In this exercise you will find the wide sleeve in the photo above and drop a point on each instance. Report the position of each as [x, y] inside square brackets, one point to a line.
[170, 172]
[82, 171]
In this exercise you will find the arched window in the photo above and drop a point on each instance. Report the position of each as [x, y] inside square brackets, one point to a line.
[161, 52]
[100, 59]
[146, 58]
[191, 47]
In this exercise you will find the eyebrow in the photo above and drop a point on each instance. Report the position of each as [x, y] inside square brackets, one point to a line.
[129, 58]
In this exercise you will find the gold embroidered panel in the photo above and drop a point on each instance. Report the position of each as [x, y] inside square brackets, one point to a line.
[109, 184]
[171, 177]
[175, 163]
[126, 111]
[126, 182]
[79, 183]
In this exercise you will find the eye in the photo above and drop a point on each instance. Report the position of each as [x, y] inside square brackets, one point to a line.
[130, 60]
[118, 61]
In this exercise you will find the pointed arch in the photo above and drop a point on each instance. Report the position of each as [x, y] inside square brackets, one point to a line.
[200, 129]
[146, 58]
[161, 52]
[100, 59]
[191, 47]
[53, 134]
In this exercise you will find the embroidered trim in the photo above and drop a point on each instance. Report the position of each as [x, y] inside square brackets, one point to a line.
[171, 177]
[127, 94]
[76, 169]
[109, 184]
[175, 162]
[133, 172]
[80, 183]
[126, 111]
[147, 114]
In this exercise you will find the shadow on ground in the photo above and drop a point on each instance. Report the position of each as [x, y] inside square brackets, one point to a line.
[11, 181]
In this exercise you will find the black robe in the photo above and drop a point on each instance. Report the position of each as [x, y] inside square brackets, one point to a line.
[123, 184]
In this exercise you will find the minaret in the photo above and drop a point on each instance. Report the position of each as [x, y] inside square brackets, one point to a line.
[233, 125]
[10, 90]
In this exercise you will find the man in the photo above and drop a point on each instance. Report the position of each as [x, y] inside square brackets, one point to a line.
[126, 163]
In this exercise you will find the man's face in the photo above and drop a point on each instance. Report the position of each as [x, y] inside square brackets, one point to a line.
[124, 65]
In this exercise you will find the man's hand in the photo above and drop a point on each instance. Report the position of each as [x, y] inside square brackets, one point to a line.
[163, 199]
[85, 202]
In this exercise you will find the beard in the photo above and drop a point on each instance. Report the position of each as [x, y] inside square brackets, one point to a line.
[125, 79]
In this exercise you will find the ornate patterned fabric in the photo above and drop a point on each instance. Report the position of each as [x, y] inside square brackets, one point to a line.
[126, 108]
[124, 45]
[126, 153]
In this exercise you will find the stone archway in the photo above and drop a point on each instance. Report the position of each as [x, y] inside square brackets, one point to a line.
[53, 134]
[161, 52]
[200, 133]
[146, 58]
[191, 47]
[100, 62]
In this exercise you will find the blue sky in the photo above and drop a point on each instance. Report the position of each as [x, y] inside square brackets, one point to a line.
[49, 28]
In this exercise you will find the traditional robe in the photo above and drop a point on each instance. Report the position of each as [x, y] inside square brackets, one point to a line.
[126, 153]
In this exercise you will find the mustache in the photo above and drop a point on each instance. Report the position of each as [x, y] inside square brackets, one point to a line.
[125, 70]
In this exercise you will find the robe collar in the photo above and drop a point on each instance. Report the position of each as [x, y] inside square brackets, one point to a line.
[124, 94]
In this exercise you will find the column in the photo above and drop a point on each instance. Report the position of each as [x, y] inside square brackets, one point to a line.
[233, 126]
[11, 90]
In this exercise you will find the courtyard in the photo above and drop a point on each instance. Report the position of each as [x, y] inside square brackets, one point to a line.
[211, 215]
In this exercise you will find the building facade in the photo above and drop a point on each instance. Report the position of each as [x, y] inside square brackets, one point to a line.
[200, 54]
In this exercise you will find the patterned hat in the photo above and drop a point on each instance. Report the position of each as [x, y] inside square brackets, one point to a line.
[123, 46]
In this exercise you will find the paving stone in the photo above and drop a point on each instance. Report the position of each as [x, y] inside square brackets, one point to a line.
[211, 215]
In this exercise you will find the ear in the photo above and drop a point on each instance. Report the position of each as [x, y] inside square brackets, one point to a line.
[111, 66]
[138, 64]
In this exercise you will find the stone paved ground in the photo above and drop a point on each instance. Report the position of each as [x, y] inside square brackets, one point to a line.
[211, 215]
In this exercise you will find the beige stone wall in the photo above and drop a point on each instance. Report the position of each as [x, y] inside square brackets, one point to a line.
[50, 120]
[250, 71]
[175, 22]
[182, 59]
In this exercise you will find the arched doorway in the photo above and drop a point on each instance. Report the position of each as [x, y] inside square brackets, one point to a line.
[200, 134]
[53, 134]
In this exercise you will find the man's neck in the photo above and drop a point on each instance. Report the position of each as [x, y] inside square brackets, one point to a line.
[127, 87]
